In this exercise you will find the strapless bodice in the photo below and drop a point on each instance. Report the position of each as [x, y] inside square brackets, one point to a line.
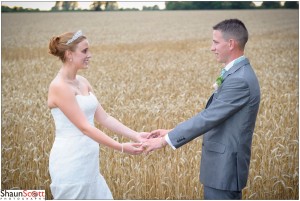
[64, 127]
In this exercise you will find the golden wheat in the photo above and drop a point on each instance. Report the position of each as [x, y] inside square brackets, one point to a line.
[150, 70]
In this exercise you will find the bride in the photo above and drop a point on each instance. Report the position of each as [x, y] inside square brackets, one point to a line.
[74, 157]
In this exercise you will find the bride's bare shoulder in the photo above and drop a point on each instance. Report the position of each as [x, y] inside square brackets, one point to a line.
[57, 87]
[56, 84]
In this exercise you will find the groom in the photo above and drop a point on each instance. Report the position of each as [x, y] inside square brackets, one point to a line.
[228, 120]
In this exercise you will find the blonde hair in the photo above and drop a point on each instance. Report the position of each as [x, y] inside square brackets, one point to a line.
[58, 44]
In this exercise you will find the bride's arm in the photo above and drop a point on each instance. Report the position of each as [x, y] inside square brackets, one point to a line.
[65, 100]
[114, 125]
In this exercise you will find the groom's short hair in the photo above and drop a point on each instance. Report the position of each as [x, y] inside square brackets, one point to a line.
[233, 28]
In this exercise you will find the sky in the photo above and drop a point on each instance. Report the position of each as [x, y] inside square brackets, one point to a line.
[47, 5]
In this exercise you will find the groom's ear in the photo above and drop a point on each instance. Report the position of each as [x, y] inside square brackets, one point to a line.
[232, 44]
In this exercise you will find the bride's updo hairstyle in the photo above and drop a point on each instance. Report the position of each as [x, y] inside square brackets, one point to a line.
[58, 45]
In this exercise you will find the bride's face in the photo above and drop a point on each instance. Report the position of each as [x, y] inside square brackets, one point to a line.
[81, 56]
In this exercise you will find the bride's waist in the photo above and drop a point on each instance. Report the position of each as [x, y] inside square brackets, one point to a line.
[67, 132]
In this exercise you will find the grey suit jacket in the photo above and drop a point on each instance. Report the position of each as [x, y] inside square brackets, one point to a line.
[227, 123]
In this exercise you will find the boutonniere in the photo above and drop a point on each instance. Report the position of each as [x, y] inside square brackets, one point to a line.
[218, 83]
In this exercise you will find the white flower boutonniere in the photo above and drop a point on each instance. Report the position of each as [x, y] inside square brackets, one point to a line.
[218, 83]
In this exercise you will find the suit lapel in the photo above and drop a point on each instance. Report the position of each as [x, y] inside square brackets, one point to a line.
[209, 101]
[235, 68]
[226, 74]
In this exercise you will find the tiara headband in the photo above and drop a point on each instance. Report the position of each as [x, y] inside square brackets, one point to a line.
[75, 36]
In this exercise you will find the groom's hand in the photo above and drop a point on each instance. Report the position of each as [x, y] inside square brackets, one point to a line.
[159, 133]
[144, 136]
[153, 144]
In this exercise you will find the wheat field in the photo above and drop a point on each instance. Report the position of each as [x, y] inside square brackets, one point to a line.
[150, 70]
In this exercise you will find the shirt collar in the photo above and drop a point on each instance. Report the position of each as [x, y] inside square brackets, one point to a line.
[228, 66]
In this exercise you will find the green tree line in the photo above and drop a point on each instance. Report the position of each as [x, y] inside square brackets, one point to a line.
[170, 5]
[211, 5]
[17, 9]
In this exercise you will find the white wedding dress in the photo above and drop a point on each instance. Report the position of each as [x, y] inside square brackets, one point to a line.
[74, 157]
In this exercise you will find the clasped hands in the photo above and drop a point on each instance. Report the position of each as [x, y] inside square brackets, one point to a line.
[147, 142]
[154, 140]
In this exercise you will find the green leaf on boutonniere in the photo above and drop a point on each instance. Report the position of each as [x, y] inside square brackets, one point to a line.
[219, 80]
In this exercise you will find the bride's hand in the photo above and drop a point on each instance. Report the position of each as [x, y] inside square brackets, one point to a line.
[133, 148]
[142, 136]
